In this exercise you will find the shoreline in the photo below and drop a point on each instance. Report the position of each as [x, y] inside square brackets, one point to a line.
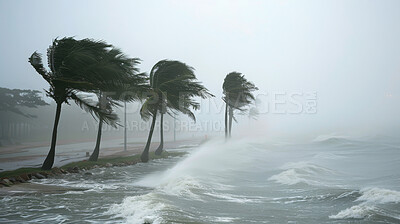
[18, 180]
[11, 162]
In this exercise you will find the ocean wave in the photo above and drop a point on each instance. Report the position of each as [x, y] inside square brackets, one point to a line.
[347, 194]
[327, 155]
[379, 196]
[333, 139]
[355, 212]
[370, 198]
[221, 219]
[182, 187]
[87, 185]
[139, 209]
[301, 172]
[234, 198]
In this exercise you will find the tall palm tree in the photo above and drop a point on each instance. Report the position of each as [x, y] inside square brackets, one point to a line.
[237, 96]
[75, 66]
[125, 84]
[173, 89]
[128, 91]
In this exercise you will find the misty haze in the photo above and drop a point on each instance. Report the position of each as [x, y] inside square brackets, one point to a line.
[174, 111]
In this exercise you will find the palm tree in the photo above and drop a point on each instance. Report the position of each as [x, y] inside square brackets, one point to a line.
[237, 96]
[125, 85]
[75, 66]
[132, 90]
[173, 89]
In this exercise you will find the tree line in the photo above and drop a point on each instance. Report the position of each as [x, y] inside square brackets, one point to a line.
[77, 68]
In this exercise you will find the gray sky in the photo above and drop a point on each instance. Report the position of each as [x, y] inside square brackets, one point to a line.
[348, 51]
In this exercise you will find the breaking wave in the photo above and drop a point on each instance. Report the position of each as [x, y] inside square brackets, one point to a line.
[301, 172]
[140, 209]
[371, 198]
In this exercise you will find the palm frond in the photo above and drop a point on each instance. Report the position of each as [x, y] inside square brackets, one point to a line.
[36, 61]
[177, 85]
[91, 107]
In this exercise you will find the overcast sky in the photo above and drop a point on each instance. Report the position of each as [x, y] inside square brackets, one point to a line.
[348, 52]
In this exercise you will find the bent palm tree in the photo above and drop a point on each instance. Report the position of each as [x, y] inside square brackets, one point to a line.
[173, 89]
[74, 66]
[237, 95]
[107, 100]
[124, 86]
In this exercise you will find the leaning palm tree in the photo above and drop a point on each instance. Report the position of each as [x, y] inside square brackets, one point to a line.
[75, 66]
[173, 86]
[237, 96]
[130, 90]
[125, 84]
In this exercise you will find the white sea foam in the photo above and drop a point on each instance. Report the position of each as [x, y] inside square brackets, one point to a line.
[370, 198]
[223, 219]
[379, 196]
[184, 180]
[355, 212]
[204, 162]
[182, 187]
[290, 177]
[300, 172]
[74, 192]
[233, 198]
[139, 209]
[89, 185]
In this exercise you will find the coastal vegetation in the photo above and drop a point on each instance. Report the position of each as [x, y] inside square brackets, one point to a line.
[81, 70]
[173, 86]
[76, 67]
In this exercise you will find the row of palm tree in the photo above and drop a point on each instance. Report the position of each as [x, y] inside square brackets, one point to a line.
[80, 68]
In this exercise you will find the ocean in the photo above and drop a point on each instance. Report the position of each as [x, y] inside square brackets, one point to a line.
[330, 179]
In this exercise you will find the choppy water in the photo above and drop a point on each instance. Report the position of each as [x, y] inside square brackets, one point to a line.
[328, 180]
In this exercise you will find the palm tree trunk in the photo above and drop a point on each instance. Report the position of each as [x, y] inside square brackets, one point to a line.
[124, 126]
[174, 129]
[96, 151]
[49, 161]
[230, 121]
[159, 150]
[145, 154]
[226, 120]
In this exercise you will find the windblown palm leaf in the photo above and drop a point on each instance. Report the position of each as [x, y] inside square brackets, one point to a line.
[238, 91]
[173, 89]
[77, 66]
[238, 94]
